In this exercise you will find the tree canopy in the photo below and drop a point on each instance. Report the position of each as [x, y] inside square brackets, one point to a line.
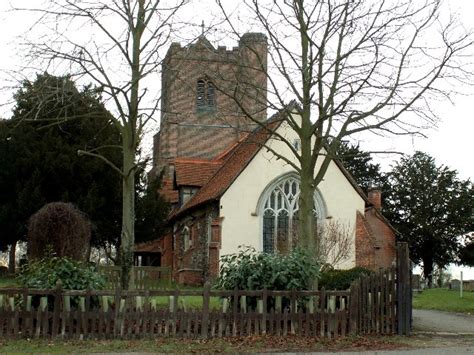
[152, 209]
[52, 120]
[359, 163]
[466, 253]
[431, 208]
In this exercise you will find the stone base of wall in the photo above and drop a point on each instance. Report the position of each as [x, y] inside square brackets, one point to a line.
[190, 277]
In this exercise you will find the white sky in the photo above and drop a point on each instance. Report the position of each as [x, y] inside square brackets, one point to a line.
[450, 144]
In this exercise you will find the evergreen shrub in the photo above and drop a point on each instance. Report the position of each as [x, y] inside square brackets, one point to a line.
[251, 270]
[74, 275]
[341, 279]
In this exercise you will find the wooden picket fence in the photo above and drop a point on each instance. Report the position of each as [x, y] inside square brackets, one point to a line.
[378, 304]
[143, 277]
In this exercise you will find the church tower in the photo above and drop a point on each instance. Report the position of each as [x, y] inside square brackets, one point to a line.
[200, 116]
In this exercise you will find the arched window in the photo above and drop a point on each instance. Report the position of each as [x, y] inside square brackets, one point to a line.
[205, 95]
[279, 208]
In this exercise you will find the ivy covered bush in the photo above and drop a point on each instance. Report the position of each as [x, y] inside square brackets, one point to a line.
[74, 275]
[252, 270]
[341, 279]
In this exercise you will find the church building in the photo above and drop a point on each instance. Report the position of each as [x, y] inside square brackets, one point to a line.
[225, 188]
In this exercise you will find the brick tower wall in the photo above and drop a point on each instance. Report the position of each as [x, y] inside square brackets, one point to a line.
[187, 132]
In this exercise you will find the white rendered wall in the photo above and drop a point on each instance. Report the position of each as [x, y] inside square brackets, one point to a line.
[242, 221]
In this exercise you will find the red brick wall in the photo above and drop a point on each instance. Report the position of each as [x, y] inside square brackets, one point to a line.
[365, 248]
[201, 260]
[375, 241]
[167, 250]
[385, 251]
[184, 132]
[214, 248]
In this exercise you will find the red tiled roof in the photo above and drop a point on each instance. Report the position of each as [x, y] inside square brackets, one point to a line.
[238, 158]
[193, 172]
[230, 163]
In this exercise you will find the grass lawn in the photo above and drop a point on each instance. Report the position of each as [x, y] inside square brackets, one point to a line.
[444, 300]
[188, 302]
[8, 281]
[238, 344]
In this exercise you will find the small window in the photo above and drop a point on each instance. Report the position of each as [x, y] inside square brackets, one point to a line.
[185, 194]
[205, 96]
[186, 238]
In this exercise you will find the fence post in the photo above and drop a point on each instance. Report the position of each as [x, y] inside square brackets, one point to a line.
[235, 300]
[403, 289]
[264, 311]
[117, 301]
[354, 307]
[57, 305]
[205, 310]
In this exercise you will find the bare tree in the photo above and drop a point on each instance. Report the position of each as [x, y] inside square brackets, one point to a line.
[117, 45]
[336, 242]
[351, 66]
[61, 228]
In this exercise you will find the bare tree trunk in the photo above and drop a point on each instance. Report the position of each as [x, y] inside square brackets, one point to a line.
[12, 258]
[128, 212]
[428, 269]
[307, 236]
[130, 143]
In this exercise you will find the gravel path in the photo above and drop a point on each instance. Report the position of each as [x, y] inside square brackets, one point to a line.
[442, 322]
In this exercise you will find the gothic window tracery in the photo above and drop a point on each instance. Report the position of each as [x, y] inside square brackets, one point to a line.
[279, 212]
[205, 95]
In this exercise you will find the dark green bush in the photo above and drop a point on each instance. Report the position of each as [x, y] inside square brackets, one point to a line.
[341, 279]
[74, 275]
[251, 270]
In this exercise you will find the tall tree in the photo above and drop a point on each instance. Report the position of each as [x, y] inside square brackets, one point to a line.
[431, 208]
[466, 253]
[51, 121]
[351, 66]
[152, 209]
[122, 51]
[359, 163]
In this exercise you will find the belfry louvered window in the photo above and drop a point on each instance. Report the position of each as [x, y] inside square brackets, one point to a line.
[205, 95]
[279, 210]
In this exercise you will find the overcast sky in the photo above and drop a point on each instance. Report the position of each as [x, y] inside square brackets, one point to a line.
[450, 143]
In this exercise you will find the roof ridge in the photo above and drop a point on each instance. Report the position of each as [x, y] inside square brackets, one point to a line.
[231, 147]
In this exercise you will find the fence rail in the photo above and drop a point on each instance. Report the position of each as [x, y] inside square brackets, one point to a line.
[378, 304]
[137, 314]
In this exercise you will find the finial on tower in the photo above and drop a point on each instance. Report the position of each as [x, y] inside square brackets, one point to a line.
[202, 27]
